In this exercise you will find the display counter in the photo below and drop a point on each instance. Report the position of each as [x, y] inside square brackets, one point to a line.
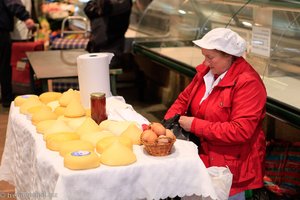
[270, 28]
[182, 57]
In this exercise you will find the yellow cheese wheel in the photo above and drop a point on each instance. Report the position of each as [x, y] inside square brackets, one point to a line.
[117, 154]
[47, 97]
[30, 102]
[42, 115]
[116, 127]
[74, 109]
[19, 100]
[80, 160]
[37, 108]
[60, 111]
[74, 123]
[94, 137]
[107, 141]
[58, 127]
[134, 133]
[42, 126]
[54, 141]
[75, 145]
[67, 97]
[88, 126]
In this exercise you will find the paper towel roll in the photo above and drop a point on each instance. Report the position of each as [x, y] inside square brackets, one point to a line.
[93, 75]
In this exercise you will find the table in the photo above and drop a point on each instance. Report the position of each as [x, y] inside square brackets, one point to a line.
[35, 170]
[57, 64]
[54, 63]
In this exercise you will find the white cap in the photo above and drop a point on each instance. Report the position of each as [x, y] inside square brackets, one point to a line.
[223, 39]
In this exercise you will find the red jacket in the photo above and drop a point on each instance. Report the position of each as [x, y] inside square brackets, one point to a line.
[230, 125]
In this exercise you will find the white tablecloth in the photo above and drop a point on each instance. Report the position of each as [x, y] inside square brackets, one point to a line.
[36, 171]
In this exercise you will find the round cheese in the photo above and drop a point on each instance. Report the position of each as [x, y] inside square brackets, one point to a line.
[88, 126]
[30, 102]
[94, 137]
[117, 155]
[19, 100]
[116, 127]
[60, 111]
[79, 160]
[75, 145]
[74, 123]
[58, 127]
[74, 109]
[67, 97]
[42, 126]
[107, 141]
[42, 115]
[37, 108]
[47, 97]
[54, 141]
[134, 133]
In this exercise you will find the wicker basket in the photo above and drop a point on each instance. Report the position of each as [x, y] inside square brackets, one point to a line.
[159, 149]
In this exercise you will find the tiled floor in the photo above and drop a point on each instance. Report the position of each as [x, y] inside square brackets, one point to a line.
[153, 111]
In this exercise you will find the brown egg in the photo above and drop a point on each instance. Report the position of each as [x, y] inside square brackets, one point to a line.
[149, 136]
[158, 128]
[170, 134]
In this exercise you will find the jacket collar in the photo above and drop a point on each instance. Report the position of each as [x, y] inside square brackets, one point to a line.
[230, 78]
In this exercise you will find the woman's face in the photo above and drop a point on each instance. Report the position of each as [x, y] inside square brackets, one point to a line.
[216, 60]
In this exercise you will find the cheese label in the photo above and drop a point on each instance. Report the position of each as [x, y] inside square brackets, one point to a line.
[80, 153]
[26, 96]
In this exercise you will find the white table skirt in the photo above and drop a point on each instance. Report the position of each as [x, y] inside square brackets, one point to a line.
[36, 171]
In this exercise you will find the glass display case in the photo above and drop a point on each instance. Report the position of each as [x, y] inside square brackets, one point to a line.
[271, 29]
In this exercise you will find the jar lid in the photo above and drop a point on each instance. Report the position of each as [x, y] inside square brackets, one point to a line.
[97, 94]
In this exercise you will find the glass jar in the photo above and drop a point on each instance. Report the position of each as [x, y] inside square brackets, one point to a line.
[98, 107]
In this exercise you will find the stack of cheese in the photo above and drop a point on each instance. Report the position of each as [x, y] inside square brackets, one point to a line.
[68, 129]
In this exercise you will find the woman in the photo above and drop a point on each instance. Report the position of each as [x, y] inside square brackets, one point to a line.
[224, 106]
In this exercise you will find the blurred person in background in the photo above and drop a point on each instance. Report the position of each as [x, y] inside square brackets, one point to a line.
[21, 32]
[9, 9]
[224, 106]
[109, 21]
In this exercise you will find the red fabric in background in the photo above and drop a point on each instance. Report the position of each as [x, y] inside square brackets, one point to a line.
[21, 77]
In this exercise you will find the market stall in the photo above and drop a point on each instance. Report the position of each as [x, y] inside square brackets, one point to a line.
[35, 170]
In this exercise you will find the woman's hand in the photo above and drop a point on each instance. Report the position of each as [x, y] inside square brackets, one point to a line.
[186, 122]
